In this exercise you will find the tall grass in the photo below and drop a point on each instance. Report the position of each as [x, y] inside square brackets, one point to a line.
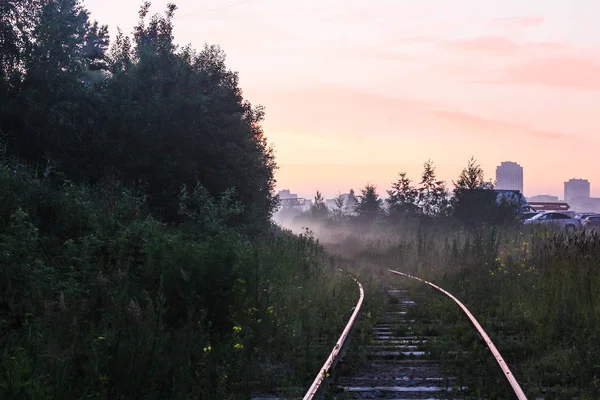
[99, 300]
[535, 291]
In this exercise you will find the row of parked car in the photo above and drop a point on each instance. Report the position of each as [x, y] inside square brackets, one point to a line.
[563, 219]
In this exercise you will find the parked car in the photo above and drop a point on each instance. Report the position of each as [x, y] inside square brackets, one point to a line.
[527, 215]
[553, 218]
[592, 222]
[581, 217]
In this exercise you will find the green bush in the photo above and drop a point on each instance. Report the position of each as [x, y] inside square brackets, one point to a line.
[98, 299]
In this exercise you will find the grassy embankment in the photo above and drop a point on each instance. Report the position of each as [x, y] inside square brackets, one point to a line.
[535, 292]
[99, 300]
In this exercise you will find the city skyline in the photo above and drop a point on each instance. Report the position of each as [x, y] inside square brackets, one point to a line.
[349, 103]
[559, 196]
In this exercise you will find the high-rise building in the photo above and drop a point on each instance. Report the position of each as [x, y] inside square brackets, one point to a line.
[509, 176]
[577, 190]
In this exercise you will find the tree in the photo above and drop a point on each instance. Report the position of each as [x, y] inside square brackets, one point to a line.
[319, 210]
[147, 113]
[433, 195]
[471, 177]
[474, 201]
[351, 202]
[369, 204]
[339, 202]
[177, 117]
[52, 113]
[339, 212]
[403, 199]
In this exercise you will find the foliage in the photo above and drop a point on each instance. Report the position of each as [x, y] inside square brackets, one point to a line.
[433, 195]
[147, 112]
[100, 300]
[402, 199]
[474, 201]
[136, 250]
[340, 212]
[534, 291]
[473, 204]
[319, 210]
[369, 205]
[352, 201]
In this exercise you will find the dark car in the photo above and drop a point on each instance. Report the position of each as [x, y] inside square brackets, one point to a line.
[581, 217]
[592, 222]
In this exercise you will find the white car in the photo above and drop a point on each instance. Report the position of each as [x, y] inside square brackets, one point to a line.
[554, 218]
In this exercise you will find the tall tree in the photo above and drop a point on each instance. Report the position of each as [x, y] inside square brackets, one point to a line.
[339, 212]
[351, 201]
[369, 204]
[177, 117]
[474, 201]
[148, 112]
[52, 114]
[402, 199]
[472, 177]
[318, 209]
[433, 195]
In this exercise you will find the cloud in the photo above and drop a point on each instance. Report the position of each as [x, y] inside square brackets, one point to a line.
[520, 22]
[500, 45]
[341, 112]
[376, 12]
[486, 125]
[494, 44]
[338, 110]
[574, 72]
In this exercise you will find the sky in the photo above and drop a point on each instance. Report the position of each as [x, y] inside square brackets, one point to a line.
[357, 91]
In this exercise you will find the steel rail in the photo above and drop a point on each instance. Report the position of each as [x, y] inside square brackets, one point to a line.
[323, 373]
[511, 378]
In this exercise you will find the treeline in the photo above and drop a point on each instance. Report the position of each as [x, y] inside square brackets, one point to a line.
[472, 203]
[137, 256]
[142, 111]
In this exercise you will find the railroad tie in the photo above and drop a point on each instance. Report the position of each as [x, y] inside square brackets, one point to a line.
[399, 365]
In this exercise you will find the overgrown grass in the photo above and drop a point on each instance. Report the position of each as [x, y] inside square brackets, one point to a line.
[536, 292]
[99, 300]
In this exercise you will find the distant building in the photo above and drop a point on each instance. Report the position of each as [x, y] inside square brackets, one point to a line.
[286, 194]
[288, 199]
[509, 176]
[577, 191]
[543, 198]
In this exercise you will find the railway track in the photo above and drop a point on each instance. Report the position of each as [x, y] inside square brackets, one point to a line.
[399, 364]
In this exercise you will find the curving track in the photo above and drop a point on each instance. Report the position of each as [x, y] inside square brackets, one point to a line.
[399, 365]
[505, 369]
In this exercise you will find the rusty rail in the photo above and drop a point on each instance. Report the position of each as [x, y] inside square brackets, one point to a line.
[324, 372]
[511, 378]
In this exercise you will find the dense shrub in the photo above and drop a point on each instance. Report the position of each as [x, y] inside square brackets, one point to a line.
[99, 299]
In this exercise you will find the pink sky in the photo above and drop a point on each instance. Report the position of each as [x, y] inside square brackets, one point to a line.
[356, 91]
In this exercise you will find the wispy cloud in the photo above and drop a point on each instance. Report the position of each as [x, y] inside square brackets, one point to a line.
[335, 108]
[493, 44]
[568, 72]
[342, 112]
[520, 21]
[493, 126]
[505, 46]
